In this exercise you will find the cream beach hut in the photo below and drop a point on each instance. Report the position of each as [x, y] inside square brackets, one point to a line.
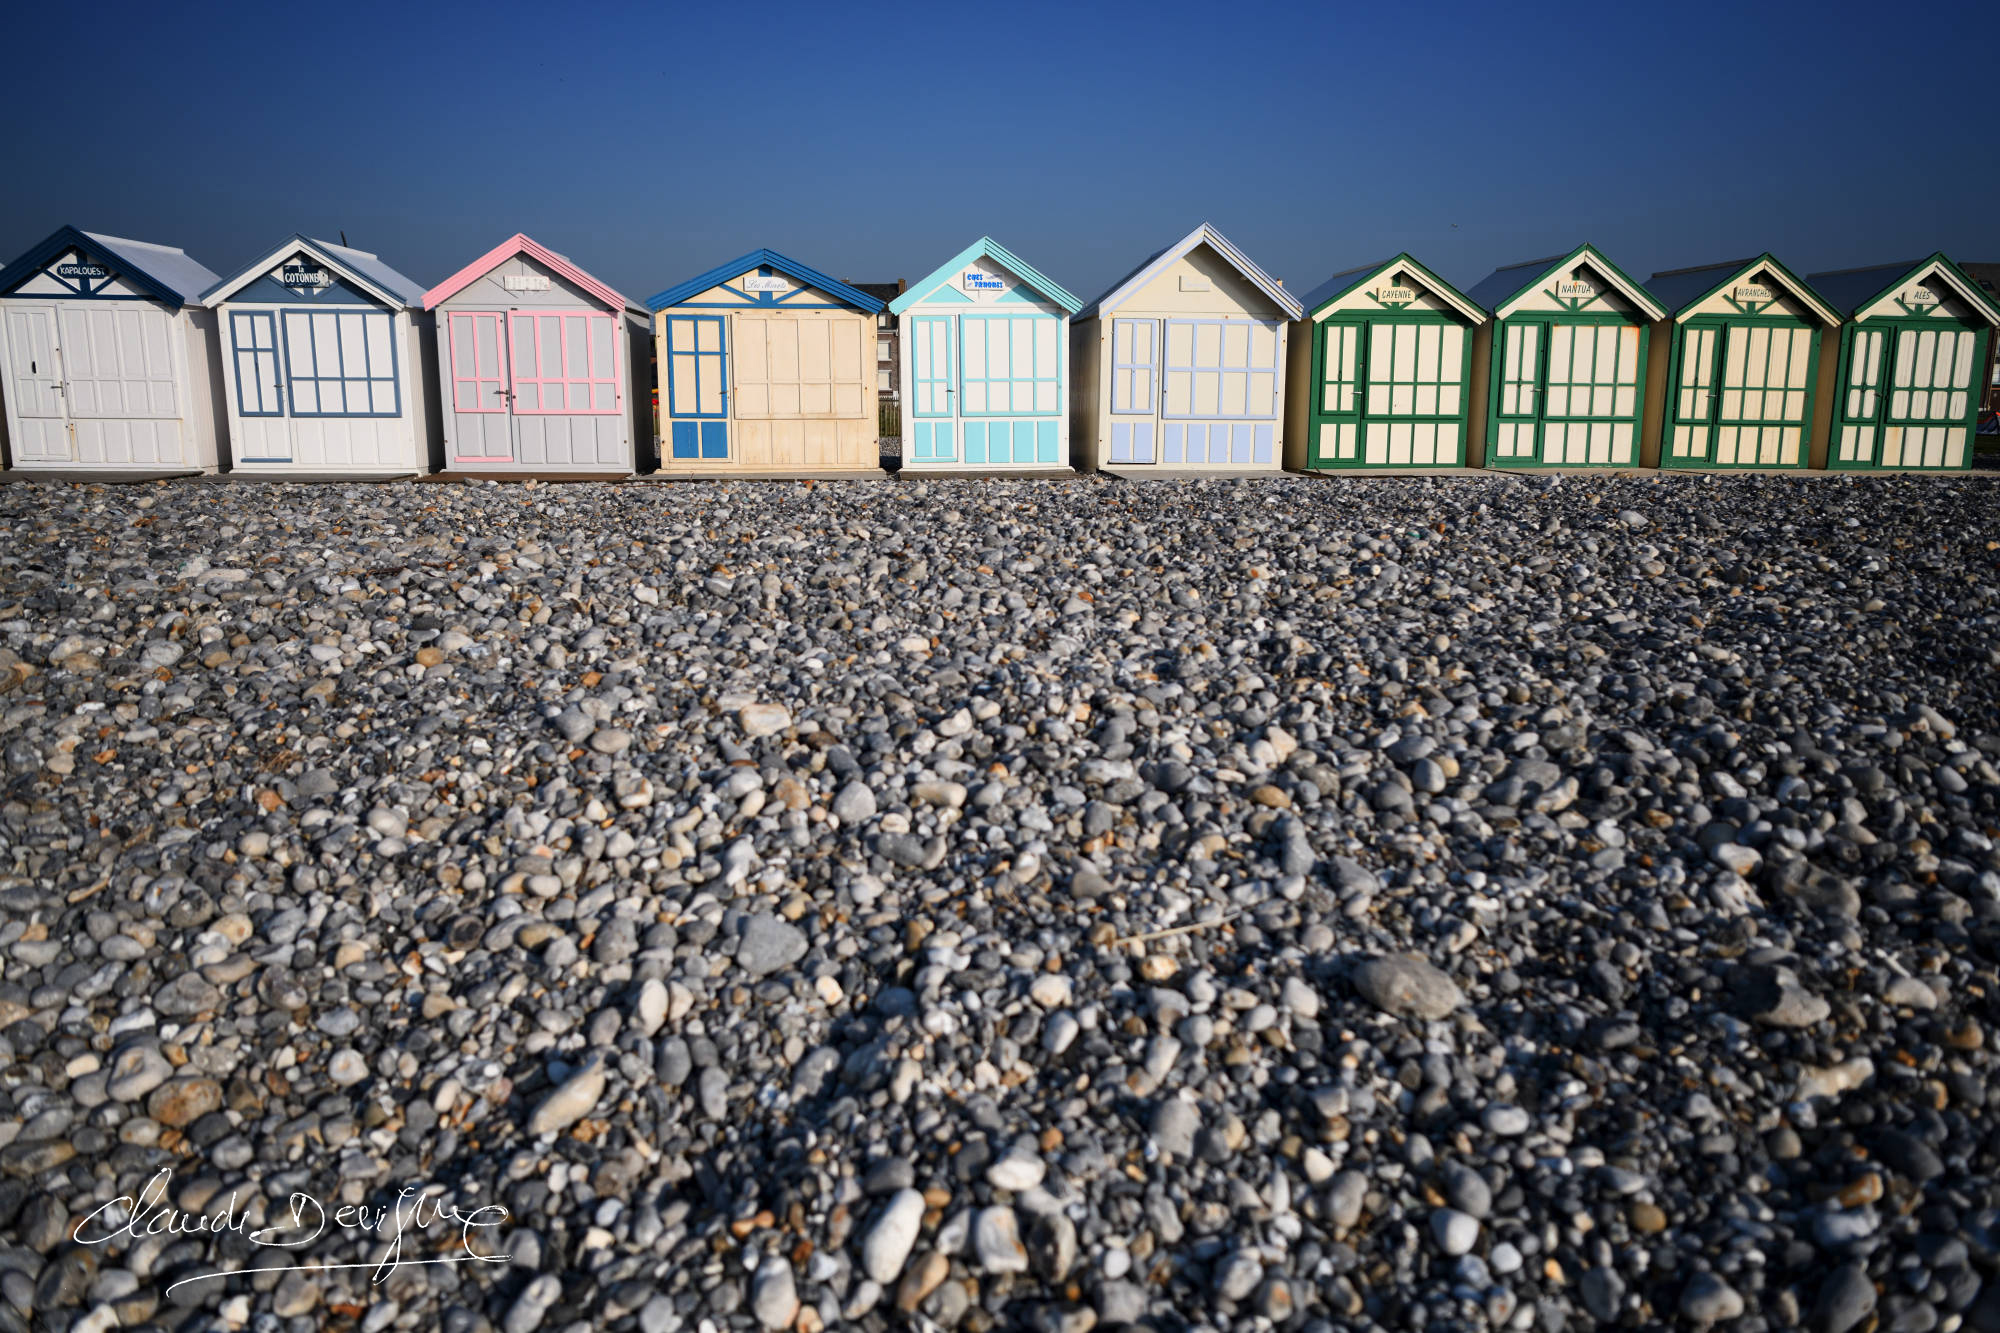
[1381, 371]
[1565, 355]
[767, 366]
[1906, 396]
[1736, 366]
[1181, 364]
[105, 357]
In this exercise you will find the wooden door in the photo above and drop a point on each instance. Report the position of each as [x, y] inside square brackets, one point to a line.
[484, 429]
[119, 383]
[37, 389]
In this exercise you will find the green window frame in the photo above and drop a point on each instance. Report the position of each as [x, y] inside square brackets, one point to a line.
[1415, 369]
[1765, 372]
[1931, 384]
[1593, 372]
[1520, 368]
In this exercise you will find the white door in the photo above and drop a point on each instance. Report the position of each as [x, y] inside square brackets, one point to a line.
[37, 386]
[118, 377]
[1135, 385]
[263, 434]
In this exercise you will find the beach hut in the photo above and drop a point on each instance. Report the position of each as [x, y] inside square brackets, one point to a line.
[987, 345]
[104, 361]
[1181, 364]
[767, 366]
[1905, 392]
[318, 351]
[1565, 356]
[535, 366]
[1740, 366]
[1381, 371]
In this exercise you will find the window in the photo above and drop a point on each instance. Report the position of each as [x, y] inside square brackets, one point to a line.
[882, 320]
[1220, 368]
[1413, 369]
[563, 362]
[1133, 361]
[341, 363]
[884, 350]
[882, 380]
[1933, 372]
[1593, 370]
[1342, 341]
[1764, 375]
[1008, 364]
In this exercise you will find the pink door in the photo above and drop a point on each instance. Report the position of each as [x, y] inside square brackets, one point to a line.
[479, 390]
[564, 373]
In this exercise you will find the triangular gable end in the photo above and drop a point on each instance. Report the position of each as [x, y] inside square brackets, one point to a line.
[519, 244]
[1582, 282]
[72, 263]
[301, 277]
[764, 279]
[280, 268]
[1759, 287]
[1399, 285]
[985, 272]
[1934, 287]
[1204, 236]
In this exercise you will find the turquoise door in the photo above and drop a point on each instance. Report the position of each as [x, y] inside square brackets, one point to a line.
[932, 428]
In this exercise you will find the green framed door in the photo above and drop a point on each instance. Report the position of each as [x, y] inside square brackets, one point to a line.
[1857, 425]
[1764, 408]
[1691, 433]
[1519, 347]
[1590, 399]
[1932, 407]
[1336, 425]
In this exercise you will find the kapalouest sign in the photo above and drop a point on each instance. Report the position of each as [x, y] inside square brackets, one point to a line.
[82, 271]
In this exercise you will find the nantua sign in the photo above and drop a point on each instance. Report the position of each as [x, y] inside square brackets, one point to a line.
[1575, 289]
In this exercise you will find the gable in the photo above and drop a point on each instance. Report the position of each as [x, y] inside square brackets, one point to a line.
[983, 280]
[1200, 282]
[1757, 291]
[80, 272]
[521, 280]
[1578, 288]
[302, 279]
[1924, 293]
[1395, 288]
[763, 288]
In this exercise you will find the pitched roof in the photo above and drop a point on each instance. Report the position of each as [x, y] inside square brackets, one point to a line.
[1207, 235]
[163, 270]
[1678, 289]
[986, 248]
[735, 268]
[1852, 289]
[1340, 284]
[521, 244]
[358, 266]
[1503, 285]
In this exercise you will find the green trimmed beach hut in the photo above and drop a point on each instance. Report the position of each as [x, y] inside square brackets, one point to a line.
[1915, 337]
[1736, 388]
[1565, 353]
[986, 358]
[1381, 371]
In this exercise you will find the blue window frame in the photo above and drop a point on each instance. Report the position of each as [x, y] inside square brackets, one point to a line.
[342, 363]
[697, 367]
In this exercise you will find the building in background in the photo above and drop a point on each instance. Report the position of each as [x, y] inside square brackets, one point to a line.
[1988, 278]
[105, 362]
[888, 347]
[1914, 344]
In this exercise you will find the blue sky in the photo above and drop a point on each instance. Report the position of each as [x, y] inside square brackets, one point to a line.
[651, 142]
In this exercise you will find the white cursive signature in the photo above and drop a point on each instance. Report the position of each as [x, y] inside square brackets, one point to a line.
[414, 1210]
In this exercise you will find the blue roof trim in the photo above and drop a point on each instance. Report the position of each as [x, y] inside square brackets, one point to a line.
[736, 268]
[356, 265]
[986, 248]
[129, 254]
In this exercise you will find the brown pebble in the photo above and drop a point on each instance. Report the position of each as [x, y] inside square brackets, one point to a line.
[1647, 1219]
[1857, 1192]
[922, 1278]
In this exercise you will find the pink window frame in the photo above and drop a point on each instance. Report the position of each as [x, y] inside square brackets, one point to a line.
[498, 378]
[541, 381]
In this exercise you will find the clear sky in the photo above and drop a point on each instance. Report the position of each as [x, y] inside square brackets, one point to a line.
[652, 142]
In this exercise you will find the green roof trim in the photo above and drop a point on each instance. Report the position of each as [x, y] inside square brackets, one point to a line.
[986, 248]
[1798, 286]
[1960, 280]
[1630, 287]
[1328, 292]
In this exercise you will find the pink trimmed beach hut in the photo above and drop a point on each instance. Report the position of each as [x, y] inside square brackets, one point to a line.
[535, 364]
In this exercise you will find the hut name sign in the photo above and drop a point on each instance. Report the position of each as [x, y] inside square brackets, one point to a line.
[765, 282]
[1396, 296]
[1753, 291]
[1576, 289]
[82, 271]
[305, 279]
[975, 281]
[525, 282]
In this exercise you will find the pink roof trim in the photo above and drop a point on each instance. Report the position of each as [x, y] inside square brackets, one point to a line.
[520, 244]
